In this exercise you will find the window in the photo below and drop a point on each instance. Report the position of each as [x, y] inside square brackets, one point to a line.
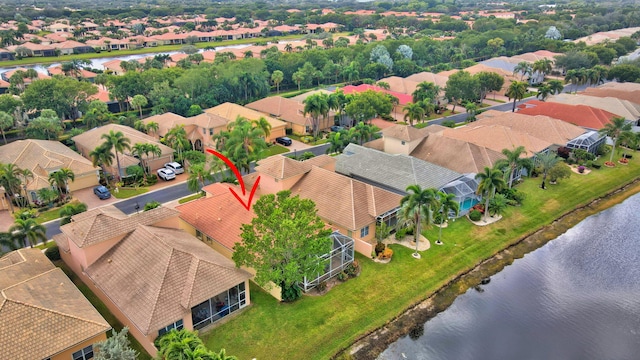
[178, 325]
[219, 306]
[204, 131]
[84, 354]
[364, 231]
[210, 131]
[198, 234]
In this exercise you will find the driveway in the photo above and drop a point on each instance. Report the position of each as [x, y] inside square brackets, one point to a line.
[88, 197]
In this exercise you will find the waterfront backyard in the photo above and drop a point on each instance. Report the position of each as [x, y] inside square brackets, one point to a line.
[319, 327]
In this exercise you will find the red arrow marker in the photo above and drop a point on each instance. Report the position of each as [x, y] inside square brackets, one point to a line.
[236, 172]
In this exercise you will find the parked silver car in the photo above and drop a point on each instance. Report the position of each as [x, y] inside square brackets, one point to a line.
[166, 174]
[175, 167]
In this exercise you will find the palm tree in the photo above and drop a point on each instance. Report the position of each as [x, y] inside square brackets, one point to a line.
[177, 139]
[543, 92]
[118, 142]
[513, 161]
[28, 231]
[516, 91]
[276, 77]
[316, 105]
[629, 139]
[288, 48]
[60, 178]
[543, 66]
[26, 176]
[69, 210]
[337, 142]
[413, 112]
[6, 122]
[138, 102]
[242, 143]
[176, 343]
[298, 78]
[263, 124]
[8, 241]
[102, 156]
[613, 130]
[10, 180]
[491, 180]
[556, 86]
[547, 160]
[420, 203]
[198, 175]
[447, 203]
[524, 68]
[425, 90]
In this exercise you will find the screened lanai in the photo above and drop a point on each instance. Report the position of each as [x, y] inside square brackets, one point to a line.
[589, 141]
[464, 189]
[340, 256]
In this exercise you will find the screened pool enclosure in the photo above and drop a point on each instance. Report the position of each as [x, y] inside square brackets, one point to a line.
[340, 256]
[464, 189]
[589, 141]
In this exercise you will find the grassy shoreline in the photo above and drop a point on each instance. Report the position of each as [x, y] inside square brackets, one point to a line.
[321, 327]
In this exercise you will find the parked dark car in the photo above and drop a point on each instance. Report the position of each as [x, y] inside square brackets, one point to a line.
[337, 128]
[283, 140]
[102, 192]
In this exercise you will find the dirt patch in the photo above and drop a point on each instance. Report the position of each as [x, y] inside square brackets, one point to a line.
[369, 346]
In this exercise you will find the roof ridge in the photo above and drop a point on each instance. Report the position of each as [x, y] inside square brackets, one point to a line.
[157, 295]
[353, 210]
[373, 200]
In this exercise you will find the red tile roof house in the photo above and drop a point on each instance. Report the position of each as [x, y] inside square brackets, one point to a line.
[151, 275]
[403, 99]
[581, 115]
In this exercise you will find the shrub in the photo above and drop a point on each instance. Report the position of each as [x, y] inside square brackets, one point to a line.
[449, 123]
[475, 215]
[478, 207]
[291, 293]
[581, 169]
[386, 254]
[564, 152]
[342, 276]
[438, 219]
[596, 166]
[400, 234]
[322, 286]
[152, 179]
[589, 163]
[52, 253]
[352, 269]
[151, 205]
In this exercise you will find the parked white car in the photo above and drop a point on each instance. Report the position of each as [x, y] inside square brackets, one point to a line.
[166, 174]
[175, 167]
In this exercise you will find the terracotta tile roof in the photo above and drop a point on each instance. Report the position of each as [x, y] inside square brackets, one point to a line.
[401, 85]
[633, 96]
[57, 70]
[300, 98]
[458, 155]
[347, 202]
[42, 313]
[231, 111]
[429, 77]
[581, 115]
[156, 285]
[281, 167]
[619, 107]
[92, 138]
[402, 98]
[627, 86]
[43, 157]
[404, 132]
[100, 225]
[542, 127]
[286, 109]
[218, 216]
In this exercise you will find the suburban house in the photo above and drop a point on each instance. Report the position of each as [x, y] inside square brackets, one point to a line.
[395, 172]
[231, 112]
[32, 49]
[6, 55]
[73, 47]
[508, 76]
[584, 116]
[437, 79]
[289, 111]
[43, 315]
[620, 107]
[200, 128]
[89, 140]
[151, 275]
[396, 112]
[400, 84]
[80, 73]
[44, 157]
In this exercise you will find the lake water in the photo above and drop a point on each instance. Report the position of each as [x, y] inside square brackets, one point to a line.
[577, 297]
[97, 63]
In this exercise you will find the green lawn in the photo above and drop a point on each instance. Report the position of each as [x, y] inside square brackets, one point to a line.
[274, 150]
[319, 327]
[102, 309]
[125, 193]
[191, 197]
[48, 215]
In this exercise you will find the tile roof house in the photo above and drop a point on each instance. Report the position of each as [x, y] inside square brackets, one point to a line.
[617, 91]
[582, 115]
[621, 108]
[42, 313]
[199, 128]
[89, 140]
[179, 282]
[289, 111]
[401, 85]
[429, 77]
[403, 98]
[231, 112]
[44, 157]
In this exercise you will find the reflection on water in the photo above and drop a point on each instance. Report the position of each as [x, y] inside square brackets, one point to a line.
[578, 297]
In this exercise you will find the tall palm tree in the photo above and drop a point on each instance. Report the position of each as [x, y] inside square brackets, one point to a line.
[491, 180]
[613, 130]
[6, 122]
[413, 112]
[543, 66]
[447, 204]
[10, 180]
[513, 161]
[28, 232]
[177, 139]
[102, 156]
[276, 77]
[420, 203]
[60, 179]
[316, 105]
[516, 91]
[263, 124]
[524, 68]
[547, 161]
[242, 143]
[115, 140]
[26, 176]
[69, 210]
[138, 102]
